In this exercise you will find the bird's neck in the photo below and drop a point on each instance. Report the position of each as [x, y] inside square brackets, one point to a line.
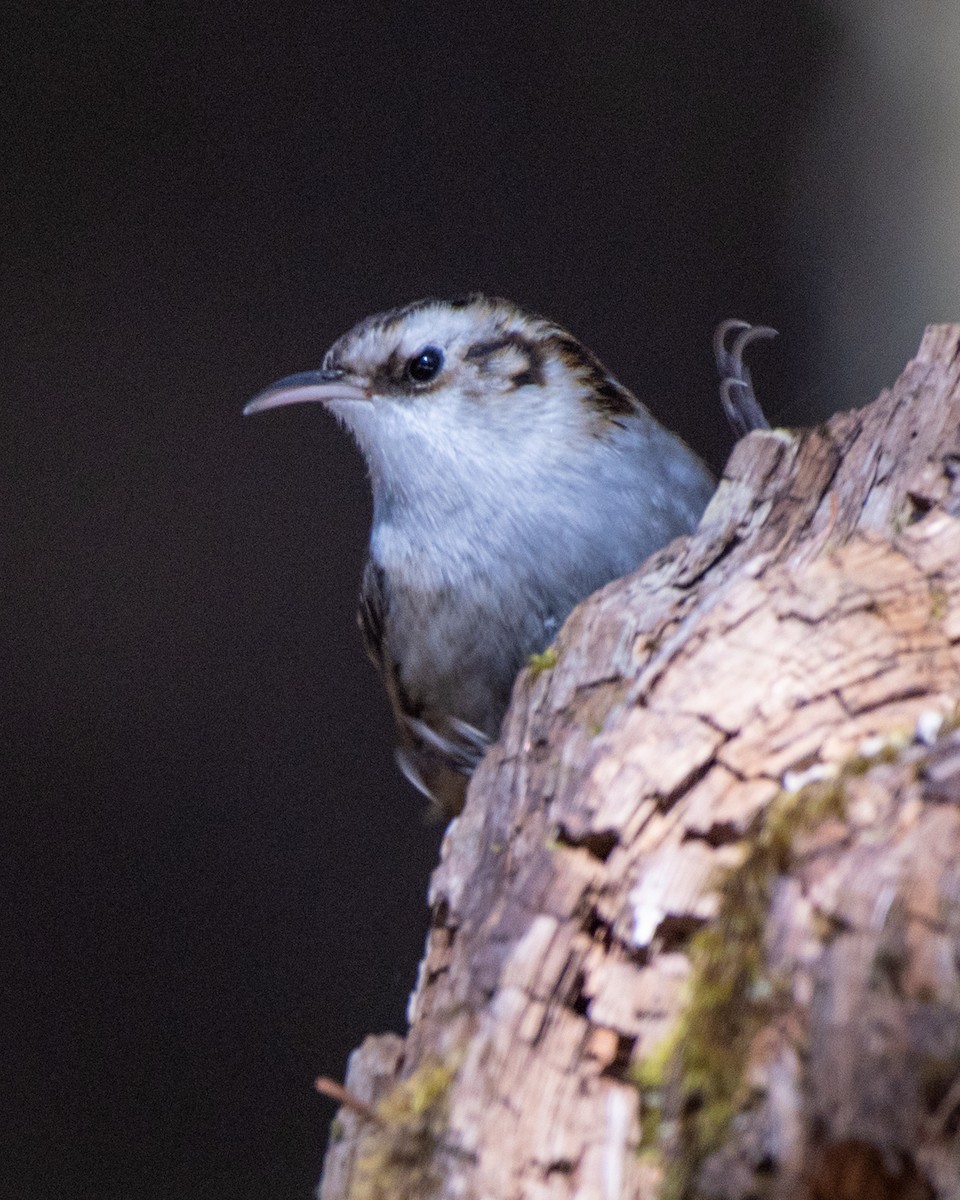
[459, 494]
[433, 522]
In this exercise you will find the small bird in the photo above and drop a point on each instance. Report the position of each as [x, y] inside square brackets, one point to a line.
[512, 476]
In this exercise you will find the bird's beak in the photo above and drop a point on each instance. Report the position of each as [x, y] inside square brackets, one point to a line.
[318, 387]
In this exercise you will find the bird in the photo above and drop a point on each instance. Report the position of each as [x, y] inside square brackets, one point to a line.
[512, 476]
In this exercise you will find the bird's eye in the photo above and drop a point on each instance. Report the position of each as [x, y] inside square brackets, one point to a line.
[424, 366]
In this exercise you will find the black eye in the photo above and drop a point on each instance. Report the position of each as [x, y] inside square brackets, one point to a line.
[423, 366]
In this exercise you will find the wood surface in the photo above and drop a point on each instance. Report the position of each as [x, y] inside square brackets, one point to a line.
[697, 930]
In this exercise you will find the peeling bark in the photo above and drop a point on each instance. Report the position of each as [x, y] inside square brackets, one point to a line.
[697, 930]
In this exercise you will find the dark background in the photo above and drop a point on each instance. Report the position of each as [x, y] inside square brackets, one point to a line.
[215, 881]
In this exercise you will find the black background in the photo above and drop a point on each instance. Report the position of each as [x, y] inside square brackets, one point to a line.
[215, 881]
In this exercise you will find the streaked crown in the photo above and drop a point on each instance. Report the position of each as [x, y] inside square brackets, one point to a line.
[485, 345]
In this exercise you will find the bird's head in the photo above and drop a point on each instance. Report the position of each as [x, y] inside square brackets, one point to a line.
[495, 440]
[461, 376]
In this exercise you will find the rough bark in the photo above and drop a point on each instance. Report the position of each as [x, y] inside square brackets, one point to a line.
[697, 930]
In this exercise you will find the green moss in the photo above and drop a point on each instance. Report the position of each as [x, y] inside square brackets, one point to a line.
[696, 1076]
[396, 1159]
[889, 752]
[939, 603]
[545, 661]
[649, 1076]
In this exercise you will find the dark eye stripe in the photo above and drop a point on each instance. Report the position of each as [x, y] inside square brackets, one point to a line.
[532, 373]
[485, 349]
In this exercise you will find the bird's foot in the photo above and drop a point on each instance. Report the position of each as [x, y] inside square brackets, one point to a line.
[438, 764]
[739, 400]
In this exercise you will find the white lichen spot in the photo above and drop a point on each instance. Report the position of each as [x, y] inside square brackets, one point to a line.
[795, 781]
[871, 746]
[928, 727]
[646, 903]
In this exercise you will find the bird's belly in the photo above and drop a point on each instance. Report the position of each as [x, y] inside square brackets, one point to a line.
[456, 656]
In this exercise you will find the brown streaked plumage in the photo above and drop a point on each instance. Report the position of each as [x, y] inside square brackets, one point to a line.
[524, 347]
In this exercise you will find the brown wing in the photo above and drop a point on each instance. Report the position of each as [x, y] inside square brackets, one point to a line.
[372, 617]
[372, 614]
[436, 760]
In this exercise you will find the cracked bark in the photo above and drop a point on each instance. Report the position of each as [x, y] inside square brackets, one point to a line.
[697, 930]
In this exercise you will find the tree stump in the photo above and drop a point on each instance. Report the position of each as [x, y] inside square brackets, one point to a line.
[697, 930]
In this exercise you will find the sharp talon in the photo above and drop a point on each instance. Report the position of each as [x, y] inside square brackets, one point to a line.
[730, 407]
[751, 333]
[436, 761]
[463, 755]
[428, 735]
[736, 410]
[470, 733]
[744, 413]
[720, 351]
[742, 409]
[407, 769]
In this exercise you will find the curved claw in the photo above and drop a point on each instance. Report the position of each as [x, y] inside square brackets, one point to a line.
[470, 734]
[461, 755]
[742, 410]
[729, 406]
[720, 351]
[744, 413]
[409, 770]
[751, 333]
[438, 762]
